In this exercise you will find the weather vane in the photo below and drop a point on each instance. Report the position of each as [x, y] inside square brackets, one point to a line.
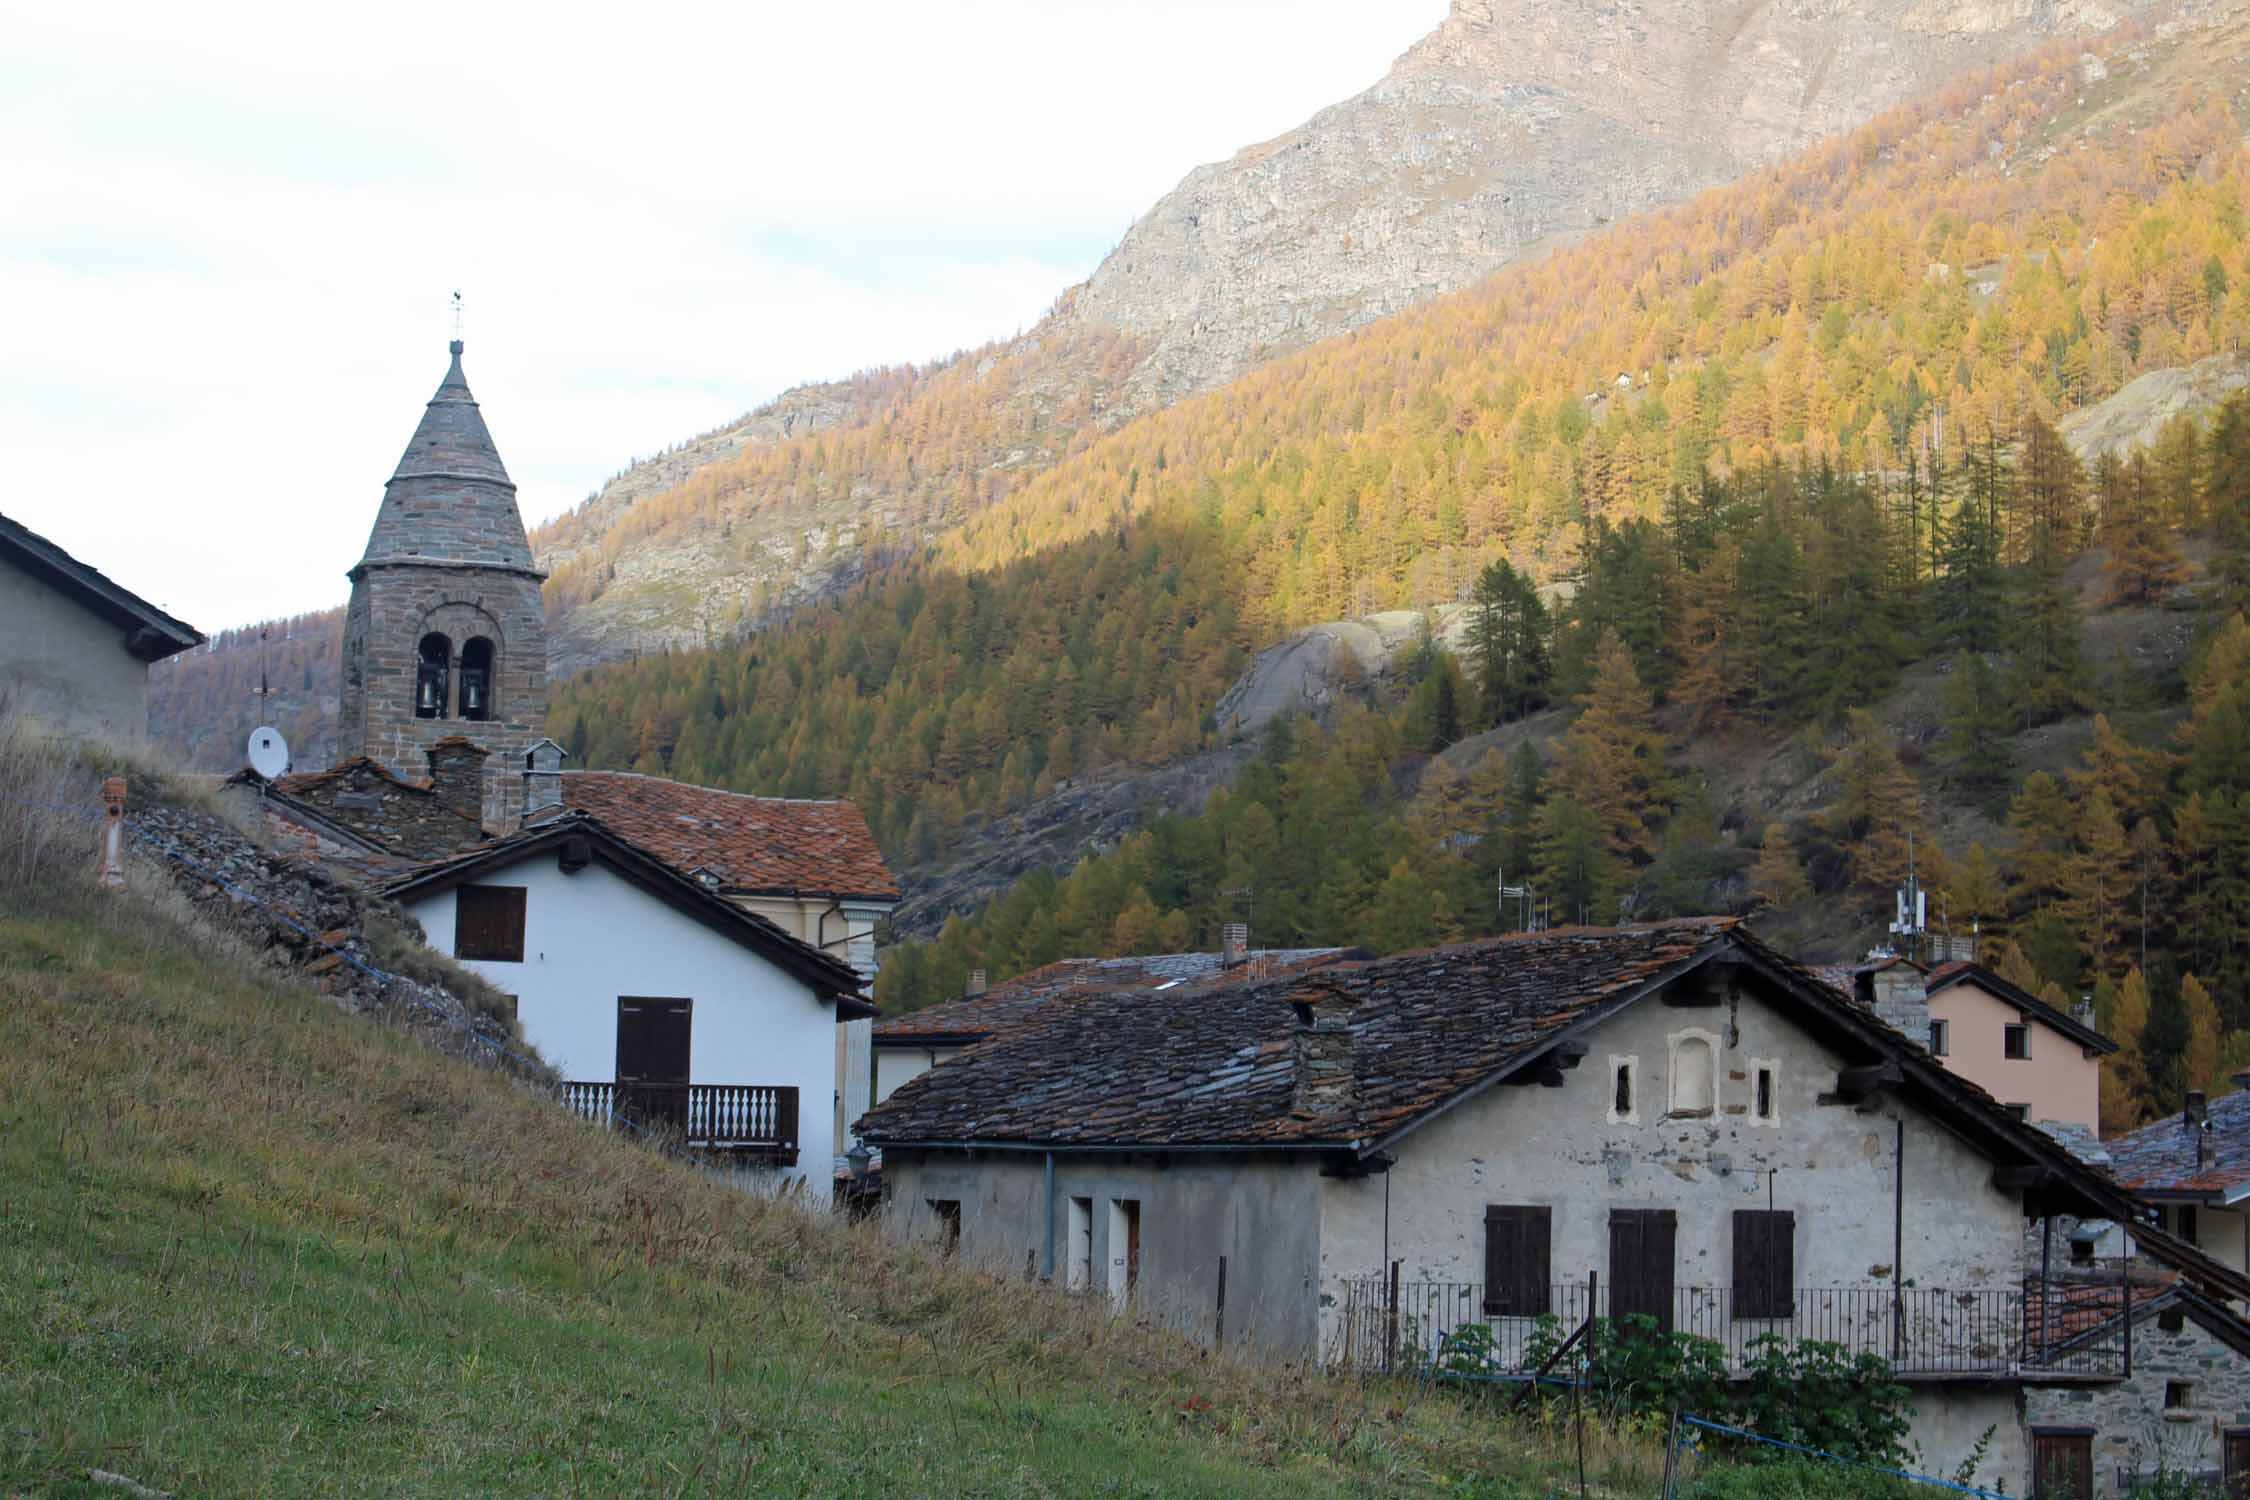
[456, 315]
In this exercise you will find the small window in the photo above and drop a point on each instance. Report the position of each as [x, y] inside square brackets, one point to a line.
[2015, 1042]
[2081, 1252]
[2020, 1111]
[488, 923]
[1621, 1096]
[2183, 1222]
[509, 1006]
[1941, 1039]
[2179, 1395]
[1765, 1104]
[948, 1211]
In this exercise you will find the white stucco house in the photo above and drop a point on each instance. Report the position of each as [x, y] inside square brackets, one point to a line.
[665, 1006]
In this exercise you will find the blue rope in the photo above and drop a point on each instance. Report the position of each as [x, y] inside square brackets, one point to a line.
[1835, 1458]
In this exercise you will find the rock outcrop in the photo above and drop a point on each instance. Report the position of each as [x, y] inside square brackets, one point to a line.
[1515, 124]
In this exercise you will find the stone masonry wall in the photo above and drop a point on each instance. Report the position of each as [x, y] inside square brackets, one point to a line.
[2132, 1429]
[406, 818]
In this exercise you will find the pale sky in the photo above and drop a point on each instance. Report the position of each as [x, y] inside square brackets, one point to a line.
[228, 232]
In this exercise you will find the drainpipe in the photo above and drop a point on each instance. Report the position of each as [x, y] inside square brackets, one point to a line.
[1050, 1272]
[1898, 1245]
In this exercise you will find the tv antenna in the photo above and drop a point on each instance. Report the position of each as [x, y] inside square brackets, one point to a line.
[1913, 914]
[456, 317]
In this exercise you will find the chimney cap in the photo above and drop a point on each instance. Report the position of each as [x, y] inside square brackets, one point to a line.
[977, 983]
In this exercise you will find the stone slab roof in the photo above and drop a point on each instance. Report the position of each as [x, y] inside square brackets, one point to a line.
[2161, 1158]
[1214, 1064]
[450, 501]
[150, 633]
[754, 845]
[976, 1017]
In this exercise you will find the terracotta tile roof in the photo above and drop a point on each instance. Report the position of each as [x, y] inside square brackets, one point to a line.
[2161, 1158]
[1005, 1004]
[753, 844]
[1214, 1064]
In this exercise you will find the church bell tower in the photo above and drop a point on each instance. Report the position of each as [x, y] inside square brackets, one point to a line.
[445, 635]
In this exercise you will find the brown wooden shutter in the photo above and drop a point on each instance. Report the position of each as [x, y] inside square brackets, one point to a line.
[488, 923]
[1642, 1243]
[1517, 1241]
[1765, 1263]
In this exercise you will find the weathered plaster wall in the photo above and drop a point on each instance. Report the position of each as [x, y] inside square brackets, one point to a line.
[848, 932]
[66, 667]
[1263, 1215]
[2058, 1081]
[2131, 1427]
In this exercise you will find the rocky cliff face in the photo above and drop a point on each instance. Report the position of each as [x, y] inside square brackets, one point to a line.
[1514, 124]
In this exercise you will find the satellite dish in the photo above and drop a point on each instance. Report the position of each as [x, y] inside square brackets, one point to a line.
[269, 752]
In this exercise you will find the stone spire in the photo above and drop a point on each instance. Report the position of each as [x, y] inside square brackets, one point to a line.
[450, 500]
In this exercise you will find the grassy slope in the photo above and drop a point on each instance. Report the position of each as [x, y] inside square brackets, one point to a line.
[249, 1244]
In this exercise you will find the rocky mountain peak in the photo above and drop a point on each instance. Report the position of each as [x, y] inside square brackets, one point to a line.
[1517, 123]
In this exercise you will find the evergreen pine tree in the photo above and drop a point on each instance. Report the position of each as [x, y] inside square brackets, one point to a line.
[1612, 759]
[2049, 680]
[2227, 500]
[1978, 726]
[1879, 814]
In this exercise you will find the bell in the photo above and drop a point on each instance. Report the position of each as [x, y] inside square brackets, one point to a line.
[428, 700]
[472, 695]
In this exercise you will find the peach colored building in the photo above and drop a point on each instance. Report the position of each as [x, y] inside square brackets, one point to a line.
[2029, 1055]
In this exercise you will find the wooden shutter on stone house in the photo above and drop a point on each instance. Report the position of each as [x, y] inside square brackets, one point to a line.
[1517, 1238]
[1765, 1263]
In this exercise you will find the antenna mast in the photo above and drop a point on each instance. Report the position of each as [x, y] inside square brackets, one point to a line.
[457, 317]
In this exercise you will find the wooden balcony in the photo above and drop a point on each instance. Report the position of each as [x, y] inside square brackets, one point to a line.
[736, 1120]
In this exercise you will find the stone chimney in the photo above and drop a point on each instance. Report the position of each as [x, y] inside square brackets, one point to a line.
[1902, 1001]
[2197, 1117]
[1323, 1059]
[976, 984]
[1234, 945]
[2083, 1011]
[457, 776]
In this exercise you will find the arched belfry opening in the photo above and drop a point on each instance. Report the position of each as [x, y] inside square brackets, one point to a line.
[476, 678]
[433, 676]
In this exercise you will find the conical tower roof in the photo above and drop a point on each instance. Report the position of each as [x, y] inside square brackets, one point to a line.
[450, 502]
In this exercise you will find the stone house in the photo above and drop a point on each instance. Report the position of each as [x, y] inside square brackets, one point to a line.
[75, 647]
[2042, 1062]
[2183, 1409]
[907, 1046]
[1671, 1120]
[663, 1003]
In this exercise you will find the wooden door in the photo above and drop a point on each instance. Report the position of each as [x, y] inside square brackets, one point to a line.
[652, 1061]
[2062, 1465]
[2238, 1461]
[1641, 1242]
